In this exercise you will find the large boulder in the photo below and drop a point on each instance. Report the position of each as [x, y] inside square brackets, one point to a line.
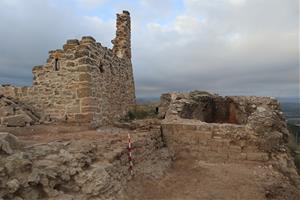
[8, 143]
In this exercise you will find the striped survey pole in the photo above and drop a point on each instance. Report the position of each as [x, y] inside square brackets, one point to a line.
[130, 155]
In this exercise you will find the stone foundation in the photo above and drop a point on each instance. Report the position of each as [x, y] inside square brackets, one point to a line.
[212, 142]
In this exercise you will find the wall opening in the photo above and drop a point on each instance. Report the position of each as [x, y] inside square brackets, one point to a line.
[211, 111]
[100, 66]
[56, 65]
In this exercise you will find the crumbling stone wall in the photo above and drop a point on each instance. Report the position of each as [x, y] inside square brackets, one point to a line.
[258, 132]
[83, 82]
[212, 108]
[213, 142]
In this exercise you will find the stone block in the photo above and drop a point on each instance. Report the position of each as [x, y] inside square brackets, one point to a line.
[204, 136]
[188, 127]
[84, 68]
[237, 156]
[189, 138]
[235, 149]
[73, 109]
[85, 77]
[82, 53]
[258, 157]
[73, 42]
[88, 109]
[177, 127]
[85, 60]
[84, 92]
[250, 149]
[216, 156]
[69, 47]
[70, 64]
[204, 127]
[87, 39]
[88, 101]
[84, 118]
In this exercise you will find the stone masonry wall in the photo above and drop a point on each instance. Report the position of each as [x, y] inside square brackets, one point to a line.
[213, 142]
[83, 82]
[255, 129]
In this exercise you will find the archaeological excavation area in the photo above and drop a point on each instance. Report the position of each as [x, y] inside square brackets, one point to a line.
[203, 154]
[66, 137]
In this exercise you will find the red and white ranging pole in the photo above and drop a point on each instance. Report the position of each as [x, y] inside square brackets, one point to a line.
[130, 155]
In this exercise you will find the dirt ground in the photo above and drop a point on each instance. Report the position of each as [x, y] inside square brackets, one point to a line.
[49, 133]
[186, 179]
[198, 180]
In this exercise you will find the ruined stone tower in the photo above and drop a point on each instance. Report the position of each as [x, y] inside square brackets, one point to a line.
[122, 42]
[83, 82]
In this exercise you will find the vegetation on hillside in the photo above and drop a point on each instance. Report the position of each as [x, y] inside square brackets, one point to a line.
[141, 111]
[293, 129]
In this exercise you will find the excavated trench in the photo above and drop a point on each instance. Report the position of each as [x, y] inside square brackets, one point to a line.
[206, 147]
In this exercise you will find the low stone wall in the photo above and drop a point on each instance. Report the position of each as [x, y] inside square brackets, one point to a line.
[212, 142]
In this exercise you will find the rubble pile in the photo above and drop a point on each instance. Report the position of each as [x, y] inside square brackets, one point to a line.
[16, 114]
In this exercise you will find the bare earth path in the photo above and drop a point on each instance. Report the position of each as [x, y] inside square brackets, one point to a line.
[198, 180]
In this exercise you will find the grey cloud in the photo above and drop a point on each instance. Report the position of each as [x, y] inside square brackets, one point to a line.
[29, 29]
[248, 48]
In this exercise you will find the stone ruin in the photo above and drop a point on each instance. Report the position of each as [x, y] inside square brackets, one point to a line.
[84, 82]
[222, 130]
[209, 127]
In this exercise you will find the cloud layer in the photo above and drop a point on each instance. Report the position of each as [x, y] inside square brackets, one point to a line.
[243, 47]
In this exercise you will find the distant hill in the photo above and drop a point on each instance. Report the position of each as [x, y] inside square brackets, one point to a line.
[146, 100]
[289, 105]
[291, 109]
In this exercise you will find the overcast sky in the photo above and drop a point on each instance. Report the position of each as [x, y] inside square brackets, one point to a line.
[231, 47]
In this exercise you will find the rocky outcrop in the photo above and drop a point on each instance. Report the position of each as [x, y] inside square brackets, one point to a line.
[80, 170]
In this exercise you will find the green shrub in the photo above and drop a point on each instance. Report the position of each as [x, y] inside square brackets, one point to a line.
[297, 163]
[292, 143]
[141, 112]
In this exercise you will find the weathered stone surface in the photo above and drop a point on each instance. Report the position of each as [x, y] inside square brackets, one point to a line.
[78, 170]
[13, 113]
[85, 77]
[84, 117]
[6, 111]
[9, 142]
[84, 92]
[16, 120]
[122, 42]
[208, 128]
